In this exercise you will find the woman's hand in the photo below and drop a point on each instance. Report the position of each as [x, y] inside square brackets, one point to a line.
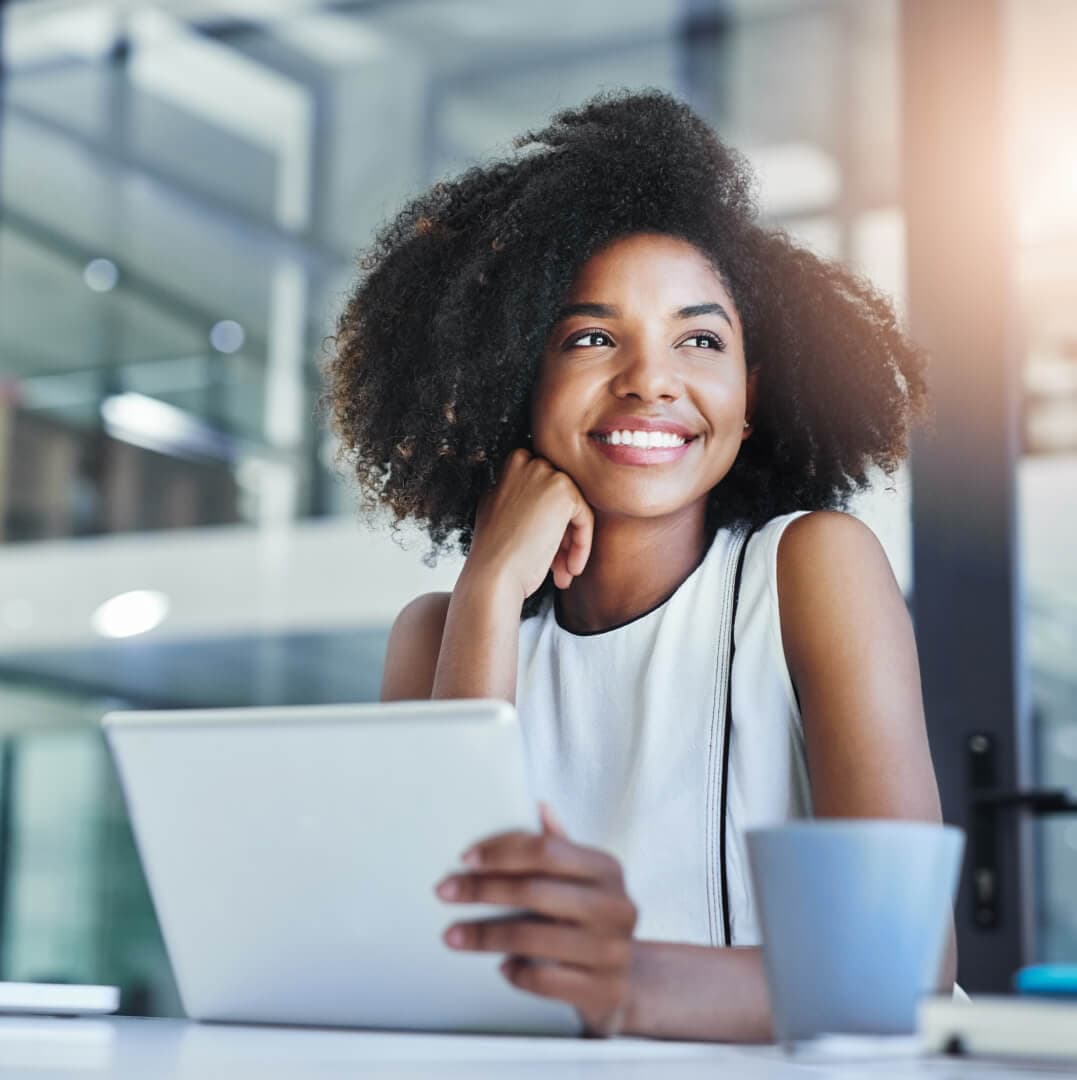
[534, 520]
[577, 946]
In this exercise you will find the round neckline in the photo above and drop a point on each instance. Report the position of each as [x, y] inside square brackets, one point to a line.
[635, 618]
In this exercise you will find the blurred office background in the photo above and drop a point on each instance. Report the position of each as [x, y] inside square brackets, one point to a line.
[183, 187]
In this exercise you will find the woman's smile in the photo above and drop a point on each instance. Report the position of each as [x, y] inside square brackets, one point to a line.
[631, 454]
[642, 440]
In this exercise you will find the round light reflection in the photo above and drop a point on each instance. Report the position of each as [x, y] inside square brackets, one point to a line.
[227, 336]
[130, 613]
[101, 275]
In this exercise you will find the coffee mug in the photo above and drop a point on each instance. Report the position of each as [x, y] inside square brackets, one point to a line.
[854, 917]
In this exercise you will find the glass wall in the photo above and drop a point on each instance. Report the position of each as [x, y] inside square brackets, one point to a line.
[74, 906]
[1044, 162]
[181, 198]
[182, 201]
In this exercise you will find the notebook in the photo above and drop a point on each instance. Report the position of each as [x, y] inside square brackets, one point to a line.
[1041, 1029]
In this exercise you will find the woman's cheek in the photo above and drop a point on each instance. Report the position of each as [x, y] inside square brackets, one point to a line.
[557, 448]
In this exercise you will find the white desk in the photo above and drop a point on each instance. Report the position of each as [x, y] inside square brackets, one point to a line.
[130, 1049]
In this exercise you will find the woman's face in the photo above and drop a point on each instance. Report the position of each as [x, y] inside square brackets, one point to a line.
[647, 349]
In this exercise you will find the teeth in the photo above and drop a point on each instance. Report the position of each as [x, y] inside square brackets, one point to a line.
[643, 439]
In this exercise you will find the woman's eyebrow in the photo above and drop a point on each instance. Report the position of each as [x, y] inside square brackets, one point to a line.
[608, 311]
[705, 309]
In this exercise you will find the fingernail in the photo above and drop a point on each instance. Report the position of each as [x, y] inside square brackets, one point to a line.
[448, 889]
[471, 857]
[454, 936]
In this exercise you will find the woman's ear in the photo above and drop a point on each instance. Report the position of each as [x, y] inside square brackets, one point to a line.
[749, 404]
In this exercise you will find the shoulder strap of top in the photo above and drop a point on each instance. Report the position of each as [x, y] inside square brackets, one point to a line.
[742, 541]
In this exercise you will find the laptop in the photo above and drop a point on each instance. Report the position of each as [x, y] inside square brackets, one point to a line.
[292, 854]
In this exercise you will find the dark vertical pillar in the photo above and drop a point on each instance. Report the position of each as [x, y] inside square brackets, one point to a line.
[703, 40]
[967, 603]
[320, 483]
[7, 838]
[3, 101]
[6, 749]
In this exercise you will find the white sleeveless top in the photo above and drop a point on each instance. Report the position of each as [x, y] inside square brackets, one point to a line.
[624, 731]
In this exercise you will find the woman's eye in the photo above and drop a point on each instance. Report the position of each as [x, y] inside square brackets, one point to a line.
[605, 338]
[706, 341]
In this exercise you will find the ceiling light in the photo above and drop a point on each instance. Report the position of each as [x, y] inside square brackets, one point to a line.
[130, 613]
[156, 425]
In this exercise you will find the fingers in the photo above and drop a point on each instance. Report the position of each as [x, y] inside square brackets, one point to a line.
[550, 822]
[538, 940]
[561, 577]
[574, 939]
[516, 460]
[559, 567]
[551, 898]
[575, 547]
[581, 528]
[542, 853]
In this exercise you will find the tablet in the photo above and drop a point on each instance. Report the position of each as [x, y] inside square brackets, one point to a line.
[292, 854]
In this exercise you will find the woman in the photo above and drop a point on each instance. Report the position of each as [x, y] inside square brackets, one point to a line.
[638, 413]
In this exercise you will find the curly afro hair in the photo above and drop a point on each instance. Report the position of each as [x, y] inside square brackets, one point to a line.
[428, 384]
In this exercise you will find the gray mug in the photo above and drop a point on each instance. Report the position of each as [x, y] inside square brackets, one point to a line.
[854, 916]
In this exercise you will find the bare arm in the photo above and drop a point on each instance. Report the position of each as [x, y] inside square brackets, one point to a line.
[851, 652]
[698, 992]
[464, 644]
[481, 640]
[461, 644]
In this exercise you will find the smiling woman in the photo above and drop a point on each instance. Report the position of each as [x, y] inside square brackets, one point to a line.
[437, 351]
[636, 409]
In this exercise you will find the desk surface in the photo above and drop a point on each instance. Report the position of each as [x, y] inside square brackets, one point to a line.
[133, 1049]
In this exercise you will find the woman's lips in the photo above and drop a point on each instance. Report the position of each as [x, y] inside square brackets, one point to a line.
[641, 455]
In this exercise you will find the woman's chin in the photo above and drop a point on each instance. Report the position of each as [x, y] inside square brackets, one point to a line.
[641, 505]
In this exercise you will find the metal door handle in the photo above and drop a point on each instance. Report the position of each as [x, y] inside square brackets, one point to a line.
[987, 802]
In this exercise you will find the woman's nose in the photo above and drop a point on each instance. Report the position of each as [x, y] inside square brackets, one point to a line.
[649, 374]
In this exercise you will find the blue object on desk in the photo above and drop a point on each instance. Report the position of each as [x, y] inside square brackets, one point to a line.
[1057, 980]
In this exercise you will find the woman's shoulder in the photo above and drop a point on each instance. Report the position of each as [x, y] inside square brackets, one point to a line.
[831, 570]
[808, 539]
[414, 645]
[802, 537]
[427, 608]
[423, 619]
[808, 559]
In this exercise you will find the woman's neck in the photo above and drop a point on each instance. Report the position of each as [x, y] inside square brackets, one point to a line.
[634, 565]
